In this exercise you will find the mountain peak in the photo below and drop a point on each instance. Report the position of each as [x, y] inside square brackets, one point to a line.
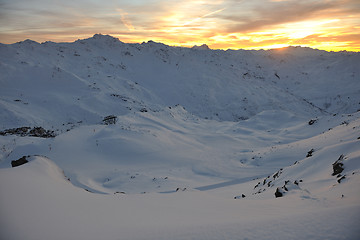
[28, 42]
[101, 38]
[153, 43]
[202, 47]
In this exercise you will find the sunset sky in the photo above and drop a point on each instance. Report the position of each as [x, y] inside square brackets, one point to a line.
[221, 24]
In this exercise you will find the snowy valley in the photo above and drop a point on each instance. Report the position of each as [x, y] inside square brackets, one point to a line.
[102, 139]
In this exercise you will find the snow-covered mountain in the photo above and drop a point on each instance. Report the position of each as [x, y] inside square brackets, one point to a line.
[100, 76]
[179, 143]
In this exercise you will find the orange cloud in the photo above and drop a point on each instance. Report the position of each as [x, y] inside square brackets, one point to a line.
[324, 24]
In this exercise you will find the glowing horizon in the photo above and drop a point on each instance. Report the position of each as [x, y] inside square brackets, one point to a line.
[332, 25]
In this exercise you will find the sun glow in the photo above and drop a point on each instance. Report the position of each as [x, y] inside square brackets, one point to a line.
[307, 28]
[220, 24]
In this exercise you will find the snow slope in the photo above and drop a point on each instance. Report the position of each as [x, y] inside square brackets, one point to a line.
[202, 141]
[101, 76]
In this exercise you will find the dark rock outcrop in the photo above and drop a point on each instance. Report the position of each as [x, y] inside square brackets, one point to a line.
[309, 153]
[41, 132]
[19, 162]
[278, 193]
[27, 131]
[338, 166]
[312, 121]
[111, 119]
[22, 131]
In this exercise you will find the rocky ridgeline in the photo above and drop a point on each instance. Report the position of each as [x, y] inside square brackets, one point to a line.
[290, 185]
[28, 131]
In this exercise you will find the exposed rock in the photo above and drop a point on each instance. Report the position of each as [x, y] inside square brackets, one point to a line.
[278, 193]
[19, 162]
[309, 153]
[340, 179]
[277, 174]
[22, 131]
[27, 131]
[338, 166]
[288, 186]
[238, 197]
[119, 193]
[41, 132]
[111, 119]
[312, 121]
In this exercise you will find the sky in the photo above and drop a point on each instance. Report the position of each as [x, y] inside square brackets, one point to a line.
[332, 25]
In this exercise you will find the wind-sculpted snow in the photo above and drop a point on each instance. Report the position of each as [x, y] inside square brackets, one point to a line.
[100, 139]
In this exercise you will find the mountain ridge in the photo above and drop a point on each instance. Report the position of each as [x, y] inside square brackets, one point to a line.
[158, 75]
[110, 38]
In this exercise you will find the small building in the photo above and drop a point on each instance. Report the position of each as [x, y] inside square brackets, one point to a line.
[111, 119]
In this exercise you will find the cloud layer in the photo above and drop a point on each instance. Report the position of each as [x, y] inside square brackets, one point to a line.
[325, 24]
